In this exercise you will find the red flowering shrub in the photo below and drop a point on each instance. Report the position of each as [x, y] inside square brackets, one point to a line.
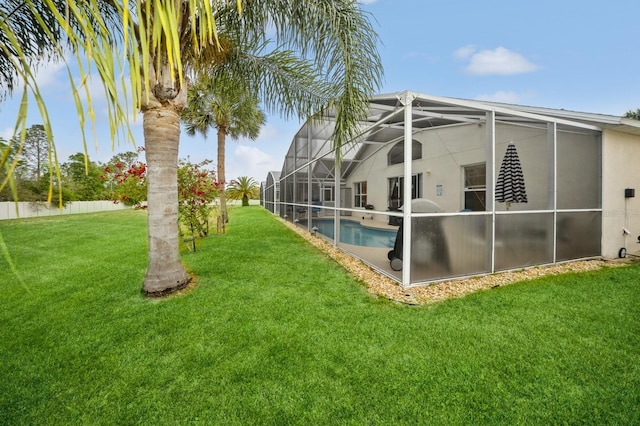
[197, 190]
[130, 183]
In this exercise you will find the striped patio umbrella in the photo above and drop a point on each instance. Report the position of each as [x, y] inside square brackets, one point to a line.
[510, 185]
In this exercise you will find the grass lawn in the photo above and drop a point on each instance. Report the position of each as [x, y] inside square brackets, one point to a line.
[275, 332]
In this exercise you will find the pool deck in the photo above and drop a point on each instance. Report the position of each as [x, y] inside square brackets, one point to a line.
[374, 256]
[377, 257]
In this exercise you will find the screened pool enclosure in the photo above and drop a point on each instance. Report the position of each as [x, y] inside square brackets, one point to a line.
[446, 156]
[270, 193]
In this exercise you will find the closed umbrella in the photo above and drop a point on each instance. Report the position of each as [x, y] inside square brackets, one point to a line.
[510, 185]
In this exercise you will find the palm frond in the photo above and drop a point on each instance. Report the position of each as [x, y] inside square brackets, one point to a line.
[339, 41]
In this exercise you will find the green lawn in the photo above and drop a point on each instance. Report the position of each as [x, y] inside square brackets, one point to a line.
[277, 333]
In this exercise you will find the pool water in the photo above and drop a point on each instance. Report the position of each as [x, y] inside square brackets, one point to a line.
[354, 233]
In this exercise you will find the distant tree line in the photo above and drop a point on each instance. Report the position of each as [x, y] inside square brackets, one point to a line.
[82, 179]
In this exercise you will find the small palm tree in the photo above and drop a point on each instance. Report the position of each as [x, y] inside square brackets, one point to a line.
[244, 188]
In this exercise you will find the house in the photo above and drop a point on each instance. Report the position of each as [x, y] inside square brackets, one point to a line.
[580, 172]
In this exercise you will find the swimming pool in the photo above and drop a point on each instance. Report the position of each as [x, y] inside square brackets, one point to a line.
[354, 233]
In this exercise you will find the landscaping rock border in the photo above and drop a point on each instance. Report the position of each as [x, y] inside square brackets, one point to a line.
[383, 286]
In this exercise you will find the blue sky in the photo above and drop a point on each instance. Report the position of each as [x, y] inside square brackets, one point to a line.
[571, 54]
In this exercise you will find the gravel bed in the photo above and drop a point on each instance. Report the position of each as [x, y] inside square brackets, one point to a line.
[383, 286]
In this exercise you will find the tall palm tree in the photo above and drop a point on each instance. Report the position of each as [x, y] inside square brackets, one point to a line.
[164, 41]
[244, 188]
[227, 104]
[336, 37]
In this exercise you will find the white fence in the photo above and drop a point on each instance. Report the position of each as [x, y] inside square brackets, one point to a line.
[28, 209]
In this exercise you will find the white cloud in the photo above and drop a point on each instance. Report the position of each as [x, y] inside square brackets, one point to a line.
[96, 90]
[94, 87]
[135, 119]
[270, 132]
[498, 61]
[251, 161]
[47, 75]
[257, 158]
[6, 133]
[50, 74]
[464, 52]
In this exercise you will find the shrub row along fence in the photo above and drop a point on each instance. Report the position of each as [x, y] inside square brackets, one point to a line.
[12, 210]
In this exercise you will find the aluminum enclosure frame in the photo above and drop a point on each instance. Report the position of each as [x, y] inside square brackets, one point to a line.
[311, 182]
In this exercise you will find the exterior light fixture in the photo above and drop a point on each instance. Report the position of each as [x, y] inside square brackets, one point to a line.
[314, 230]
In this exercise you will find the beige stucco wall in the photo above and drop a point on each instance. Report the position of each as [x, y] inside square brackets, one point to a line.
[535, 153]
[579, 174]
[445, 153]
[621, 169]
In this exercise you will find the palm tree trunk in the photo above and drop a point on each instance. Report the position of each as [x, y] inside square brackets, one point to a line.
[165, 272]
[222, 214]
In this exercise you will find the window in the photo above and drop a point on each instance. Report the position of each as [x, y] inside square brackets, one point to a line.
[396, 153]
[475, 187]
[360, 191]
[327, 192]
[396, 189]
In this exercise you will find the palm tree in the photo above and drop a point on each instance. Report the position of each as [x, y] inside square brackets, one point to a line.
[244, 188]
[228, 105]
[341, 43]
[163, 42]
[633, 114]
